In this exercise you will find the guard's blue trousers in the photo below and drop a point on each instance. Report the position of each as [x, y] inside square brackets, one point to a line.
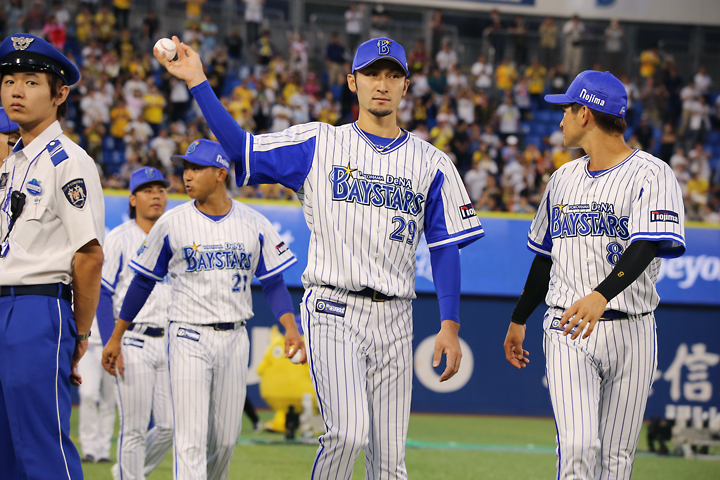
[37, 341]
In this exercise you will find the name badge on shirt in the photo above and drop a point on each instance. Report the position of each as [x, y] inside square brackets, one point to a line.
[189, 334]
[330, 308]
[33, 187]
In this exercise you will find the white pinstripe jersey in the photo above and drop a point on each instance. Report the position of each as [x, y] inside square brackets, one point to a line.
[587, 220]
[211, 262]
[121, 245]
[365, 208]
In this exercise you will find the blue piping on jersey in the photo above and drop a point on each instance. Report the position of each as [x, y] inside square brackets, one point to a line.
[122, 429]
[362, 135]
[667, 241]
[600, 173]
[539, 249]
[286, 264]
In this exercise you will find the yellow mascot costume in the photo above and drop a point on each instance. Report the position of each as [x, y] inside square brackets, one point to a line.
[282, 383]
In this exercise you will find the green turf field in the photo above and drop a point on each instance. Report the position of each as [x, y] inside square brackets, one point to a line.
[439, 447]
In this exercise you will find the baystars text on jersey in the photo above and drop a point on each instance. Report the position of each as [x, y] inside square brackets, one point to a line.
[217, 257]
[596, 219]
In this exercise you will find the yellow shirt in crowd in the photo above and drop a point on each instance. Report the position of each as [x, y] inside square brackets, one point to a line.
[154, 103]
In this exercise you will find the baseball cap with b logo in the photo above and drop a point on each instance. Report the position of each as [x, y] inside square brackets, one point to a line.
[145, 176]
[204, 152]
[381, 48]
[600, 91]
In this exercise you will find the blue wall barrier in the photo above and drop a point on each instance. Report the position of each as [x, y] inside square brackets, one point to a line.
[494, 272]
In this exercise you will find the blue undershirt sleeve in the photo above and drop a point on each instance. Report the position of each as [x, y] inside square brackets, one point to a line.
[277, 295]
[230, 135]
[105, 318]
[445, 263]
[137, 294]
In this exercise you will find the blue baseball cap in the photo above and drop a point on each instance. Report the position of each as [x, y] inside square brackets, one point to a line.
[7, 125]
[381, 48]
[147, 175]
[31, 52]
[600, 91]
[204, 152]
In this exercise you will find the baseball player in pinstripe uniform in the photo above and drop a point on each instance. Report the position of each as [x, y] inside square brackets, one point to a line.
[369, 190]
[604, 223]
[143, 383]
[211, 248]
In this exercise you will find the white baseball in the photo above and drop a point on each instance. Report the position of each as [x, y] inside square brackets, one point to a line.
[296, 356]
[168, 46]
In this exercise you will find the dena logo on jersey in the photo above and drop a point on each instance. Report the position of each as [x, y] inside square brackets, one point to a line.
[664, 216]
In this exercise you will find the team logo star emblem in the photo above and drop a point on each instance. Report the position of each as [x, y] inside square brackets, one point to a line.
[195, 247]
[349, 170]
[562, 207]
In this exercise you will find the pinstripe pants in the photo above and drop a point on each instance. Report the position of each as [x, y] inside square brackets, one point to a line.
[361, 368]
[208, 378]
[599, 389]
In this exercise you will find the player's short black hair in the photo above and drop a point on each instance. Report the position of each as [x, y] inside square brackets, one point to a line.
[609, 124]
[133, 213]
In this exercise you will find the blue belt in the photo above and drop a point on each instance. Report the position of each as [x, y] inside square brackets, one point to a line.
[58, 290]
[154, 332]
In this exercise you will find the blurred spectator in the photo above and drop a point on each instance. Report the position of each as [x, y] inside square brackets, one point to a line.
[505, 76]
[573, 31]
[465, 105]
[299, 55]
[122, 12]
[650, 99]
[461, 147]
[614, 39]
[508, 118]
[548, 42]
[421, 130]
[420, 84]
[446, 57]
[645, 135]
[667, 142]
[699, 159]
[34, 21]
[94, 133]
[633, 95]
[672, 84]
[495, 33]
[558, 79]
[519, 31]
[696, 197]
[335, 57]
[715, 120]
[61, 14]
[688, 94]
[264, 50]
[234, 45]
[165, 147]
[702, 80]
[418, 58]
[83, 23]
[153, 105]
[437, 32]
[192, 35]
[482, 70]
[152, 24]
[55, 33]
[561, 157]
[14, 14]
[119, 120]
[683, 177]
[491, 198]
[281, 114]
[380, 20]
[105, 23]
[441, 134]
[649, 62]
[253, 19]
[209, 31]
[354, 25]
[678, 158]
[455, 80]
[95, 107]
[699, 123]
[535, 75]
[521, 93]
[437, 81]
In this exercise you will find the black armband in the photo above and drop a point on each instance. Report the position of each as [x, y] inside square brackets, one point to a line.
[536, 287]
[631, 264]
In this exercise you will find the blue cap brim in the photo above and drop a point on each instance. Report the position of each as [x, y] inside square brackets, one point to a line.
[367, 64]
[560, 99]
[179, 159]
[166, 183]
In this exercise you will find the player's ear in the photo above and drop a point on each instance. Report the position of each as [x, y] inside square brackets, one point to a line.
[407, 85]
[133, 200]
[351, 82]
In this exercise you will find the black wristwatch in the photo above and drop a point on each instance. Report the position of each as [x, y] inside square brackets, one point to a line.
[84, 336]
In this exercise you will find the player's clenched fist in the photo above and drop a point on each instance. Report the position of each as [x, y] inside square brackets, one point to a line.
[112, 357]
[294, 344]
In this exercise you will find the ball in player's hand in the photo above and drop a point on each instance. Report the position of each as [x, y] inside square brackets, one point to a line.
[168, 46]
[295, 358]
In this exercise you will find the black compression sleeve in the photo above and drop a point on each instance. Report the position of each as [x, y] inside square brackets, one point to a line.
[536, 288]
[631, 264]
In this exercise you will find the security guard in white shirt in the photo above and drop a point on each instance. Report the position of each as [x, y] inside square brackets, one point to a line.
[52, 217]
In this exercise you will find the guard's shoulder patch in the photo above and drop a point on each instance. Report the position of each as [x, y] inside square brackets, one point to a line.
[3, 180]
[56, 151]
[75, 192]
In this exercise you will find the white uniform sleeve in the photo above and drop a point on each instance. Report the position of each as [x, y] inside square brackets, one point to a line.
[80, 204]
[275, 256]
[449, 214]
[658, 213]
[113, 263]
[539, 239]
[153, 257]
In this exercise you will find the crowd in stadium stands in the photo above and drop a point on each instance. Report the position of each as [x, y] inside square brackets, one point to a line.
[488, 117]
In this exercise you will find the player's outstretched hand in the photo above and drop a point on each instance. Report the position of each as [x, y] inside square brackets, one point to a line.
[584, 313]
[110, 356]
[514, 352]
[188, 66]
[448, 343]
[80, 349]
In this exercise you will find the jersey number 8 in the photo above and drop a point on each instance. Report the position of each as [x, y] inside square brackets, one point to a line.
[615, 251]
